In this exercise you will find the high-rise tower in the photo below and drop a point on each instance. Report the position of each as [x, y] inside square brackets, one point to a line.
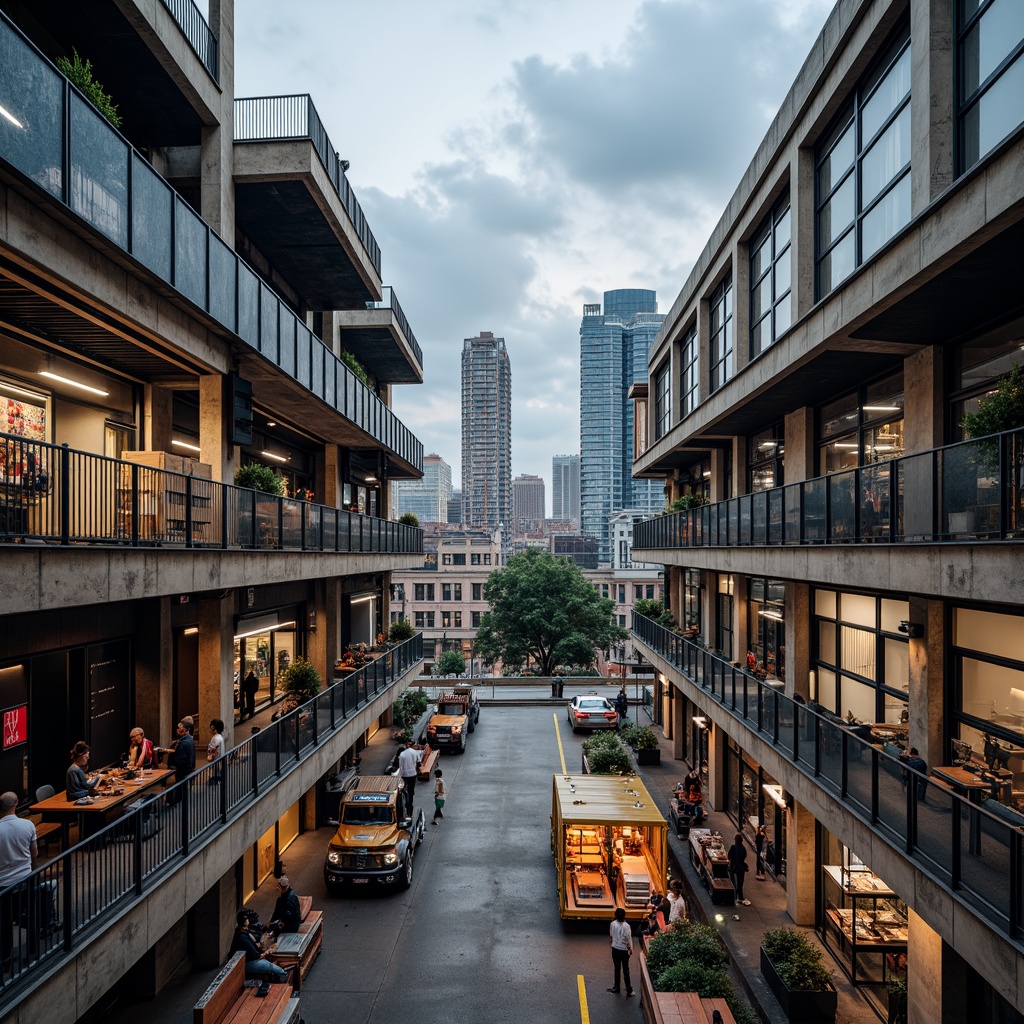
[528, 502]
[613, 356]
[487, 432]
[428, 498]
[565, 488]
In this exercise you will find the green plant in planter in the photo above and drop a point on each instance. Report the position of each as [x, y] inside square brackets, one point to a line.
[300, 681]
[797, 960]
[407, 709]
[627, 733]
[79, 73]
[896, 987]
[259, 478]
[355, 366]
[401, 630]
[691, 976]
[409, 519]
[687, 940]
[606, 754]
[687, 501]
[645, 738]
[1001, 410]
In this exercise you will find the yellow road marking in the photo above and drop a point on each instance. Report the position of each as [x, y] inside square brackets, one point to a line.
[558, 736]
[584, 1011]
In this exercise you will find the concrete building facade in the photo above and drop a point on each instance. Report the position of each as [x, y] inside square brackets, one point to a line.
[846, 554]
[162, 335]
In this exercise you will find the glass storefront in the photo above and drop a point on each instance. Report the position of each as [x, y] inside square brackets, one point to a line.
[766, 647]
[267, 653]
[749, 805]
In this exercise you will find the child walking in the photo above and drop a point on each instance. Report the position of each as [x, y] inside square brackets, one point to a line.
[439, 795]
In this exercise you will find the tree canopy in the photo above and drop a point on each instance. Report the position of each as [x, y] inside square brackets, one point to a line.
[544, 607]
[450, 663]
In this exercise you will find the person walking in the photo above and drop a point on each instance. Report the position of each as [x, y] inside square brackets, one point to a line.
[913, 759]
[759, 838]
[738, 868]
[622, 949]
[439, 796]
[250, 685]
[622, 702]
[408, 768]
[18, 853]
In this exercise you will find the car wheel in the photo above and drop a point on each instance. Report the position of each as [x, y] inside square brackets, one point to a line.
[406, 880]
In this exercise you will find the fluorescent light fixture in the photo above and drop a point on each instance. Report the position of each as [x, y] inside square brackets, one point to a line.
[845, 444]
[265, 629]
[770, 614]
[74, 383]
[882, 408]
[14, 389]
[700, 721]
[776, 794]
[271, 423]
[767, 445]
[276, 458]
[191, 631]
[363, 600]
[186, 445]
[5, 113]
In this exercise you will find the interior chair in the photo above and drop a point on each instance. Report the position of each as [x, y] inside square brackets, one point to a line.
[44, 793]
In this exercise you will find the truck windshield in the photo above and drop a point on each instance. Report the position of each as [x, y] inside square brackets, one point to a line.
[450, 709]
[356, 814]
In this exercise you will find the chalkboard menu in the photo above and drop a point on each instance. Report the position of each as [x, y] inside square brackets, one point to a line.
[109, 675]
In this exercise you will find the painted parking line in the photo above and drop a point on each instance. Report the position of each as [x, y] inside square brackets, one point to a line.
[581, 985]
[558, 736]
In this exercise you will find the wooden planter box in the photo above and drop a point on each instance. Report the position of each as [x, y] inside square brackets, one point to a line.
[648, 757]
[803, 1006]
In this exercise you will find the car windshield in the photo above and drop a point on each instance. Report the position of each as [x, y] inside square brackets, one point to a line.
[361, 814]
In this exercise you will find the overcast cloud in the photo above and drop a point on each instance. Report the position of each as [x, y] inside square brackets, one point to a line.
[517, 158]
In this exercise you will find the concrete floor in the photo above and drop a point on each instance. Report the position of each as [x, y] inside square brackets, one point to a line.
[478, 936]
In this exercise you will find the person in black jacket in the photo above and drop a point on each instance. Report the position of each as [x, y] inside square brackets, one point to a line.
[256, 965]
[287, 915]
[182, 757]
[738, 867]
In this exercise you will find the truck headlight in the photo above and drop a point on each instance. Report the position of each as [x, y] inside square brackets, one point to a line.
[456, 729]
[391, 858]
[333, 857]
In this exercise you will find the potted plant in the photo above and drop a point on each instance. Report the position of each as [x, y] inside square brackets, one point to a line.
[259, 478]
[896, 987]
[300, 682]
[605, 754]
[792, 966]
[401, 630]
[645, 745]
[79, 73]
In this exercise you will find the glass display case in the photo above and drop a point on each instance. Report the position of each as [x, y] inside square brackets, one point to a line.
[864, 922]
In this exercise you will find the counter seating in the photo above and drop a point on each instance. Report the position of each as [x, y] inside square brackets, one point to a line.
[230, 1000]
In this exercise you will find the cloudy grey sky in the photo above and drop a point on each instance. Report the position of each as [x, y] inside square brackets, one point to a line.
[517, 158]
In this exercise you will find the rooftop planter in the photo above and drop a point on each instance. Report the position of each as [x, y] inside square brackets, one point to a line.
[792, 966]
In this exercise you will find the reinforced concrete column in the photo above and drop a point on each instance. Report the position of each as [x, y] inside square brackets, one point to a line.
[317, 650]
[924, 408]
[718, 743]
[931, 124]
[332, 491]
[215, 448]
[154, 671]
[156, 418]
[927, 681]
[217, 142]
[926, 972]
[798, 639]
[214, 916]
[216, 669]
[679, 727]
[801, 864]
[800, 448]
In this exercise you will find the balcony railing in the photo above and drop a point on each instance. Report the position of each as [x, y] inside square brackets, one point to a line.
[263, 118]
[195, 29]
[972, 853]
[962, 492]
[91, 882]
[390, 301]
[57, 141]
[53, 493]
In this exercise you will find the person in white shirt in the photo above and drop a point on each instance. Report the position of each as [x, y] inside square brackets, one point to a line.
[677, 905]
[18, 852]
[622, 949]
[408, 767]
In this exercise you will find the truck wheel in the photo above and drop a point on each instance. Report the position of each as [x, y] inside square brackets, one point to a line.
[472, 725]
[406, 880]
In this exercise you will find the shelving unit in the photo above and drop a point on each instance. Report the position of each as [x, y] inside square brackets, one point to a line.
[163, 496]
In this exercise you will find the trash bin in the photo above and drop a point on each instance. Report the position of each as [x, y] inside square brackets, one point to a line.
[557, 685]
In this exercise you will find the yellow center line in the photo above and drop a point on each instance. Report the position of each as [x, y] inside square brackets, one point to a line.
[584, 1011]
[558, 736]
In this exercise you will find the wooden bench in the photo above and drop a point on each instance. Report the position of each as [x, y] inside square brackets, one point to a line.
[300, 949]
[45, 830]
[229, 1000]
[305, 906]
[427, 762]
[690, 1008]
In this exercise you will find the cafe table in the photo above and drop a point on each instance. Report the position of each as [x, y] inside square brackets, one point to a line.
[105, 806]
[975, 787]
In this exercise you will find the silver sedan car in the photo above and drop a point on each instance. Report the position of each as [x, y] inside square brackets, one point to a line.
[588, 711]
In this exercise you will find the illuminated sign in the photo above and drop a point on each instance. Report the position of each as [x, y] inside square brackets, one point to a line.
[15, 726]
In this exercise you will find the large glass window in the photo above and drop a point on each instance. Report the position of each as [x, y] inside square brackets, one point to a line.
[980, 363]
[765, 456]
[721, 334]
[770, 278]
[863, 427]
[766, 627]
[662, 401]
[862, 177]
[689, 376]
[990, 90]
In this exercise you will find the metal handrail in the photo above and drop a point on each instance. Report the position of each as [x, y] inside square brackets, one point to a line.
[389, 300]
[66, 900]
[54, 493]
[263, 118]
[177, 245]
[973, 854]
[970, 491]
[197, 31]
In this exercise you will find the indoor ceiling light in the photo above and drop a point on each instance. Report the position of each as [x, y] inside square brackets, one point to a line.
[882, 408]
[371, 479]
[770, 614]
[776, 793]
[4, 386]
[276, 458]
[271, 423]
[4, 112]
[74, 383]
[185, 444]
[700, 721]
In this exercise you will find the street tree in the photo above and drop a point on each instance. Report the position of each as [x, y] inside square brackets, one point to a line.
[450, 663]
[544, 607]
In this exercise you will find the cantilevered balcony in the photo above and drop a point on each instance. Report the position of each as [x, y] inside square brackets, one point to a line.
[380, 337]
[971, 855]
[293, 201]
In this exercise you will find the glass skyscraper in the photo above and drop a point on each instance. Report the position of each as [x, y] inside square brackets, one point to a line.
[565, 488]
[428, 498]
[613, 356]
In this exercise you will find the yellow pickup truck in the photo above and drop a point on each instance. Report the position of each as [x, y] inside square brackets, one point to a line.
[455, 718]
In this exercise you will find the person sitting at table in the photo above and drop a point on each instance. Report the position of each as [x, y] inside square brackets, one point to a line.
[912, 759]
[140, 751]
[79, 784]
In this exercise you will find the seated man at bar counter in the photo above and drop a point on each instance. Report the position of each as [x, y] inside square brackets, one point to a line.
[78, 784]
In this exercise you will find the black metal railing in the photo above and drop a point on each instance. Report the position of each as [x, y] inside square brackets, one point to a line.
[390, 301]
[197, 31]
[67, 899]
[263, 118]
[55, 139]
[54, 493]
[973, 853]
[966, 491]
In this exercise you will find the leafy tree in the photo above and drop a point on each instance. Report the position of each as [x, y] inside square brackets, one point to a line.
[544, 607]
[1002, 410]
[409, 519]
[451, 663]
[259, 478]
[79, 73]
[407, 709]
[300, 681]
[652, 609]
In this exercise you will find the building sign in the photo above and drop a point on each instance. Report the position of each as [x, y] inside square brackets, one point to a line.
[15, 726]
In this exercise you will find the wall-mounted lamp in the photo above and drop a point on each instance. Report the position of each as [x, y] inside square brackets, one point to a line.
[914, 630]
[777, 795]
[700, 721]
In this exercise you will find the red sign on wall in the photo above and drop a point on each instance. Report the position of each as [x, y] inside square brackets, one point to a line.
[15, 726]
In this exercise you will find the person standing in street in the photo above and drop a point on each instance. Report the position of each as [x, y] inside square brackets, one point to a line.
[622, 702]
[738, 868]
[408, 768]
[759, 837]
[18, 852]
[622, 950]
[439, 796]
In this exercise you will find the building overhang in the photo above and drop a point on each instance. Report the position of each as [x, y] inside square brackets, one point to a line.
[378, 339]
